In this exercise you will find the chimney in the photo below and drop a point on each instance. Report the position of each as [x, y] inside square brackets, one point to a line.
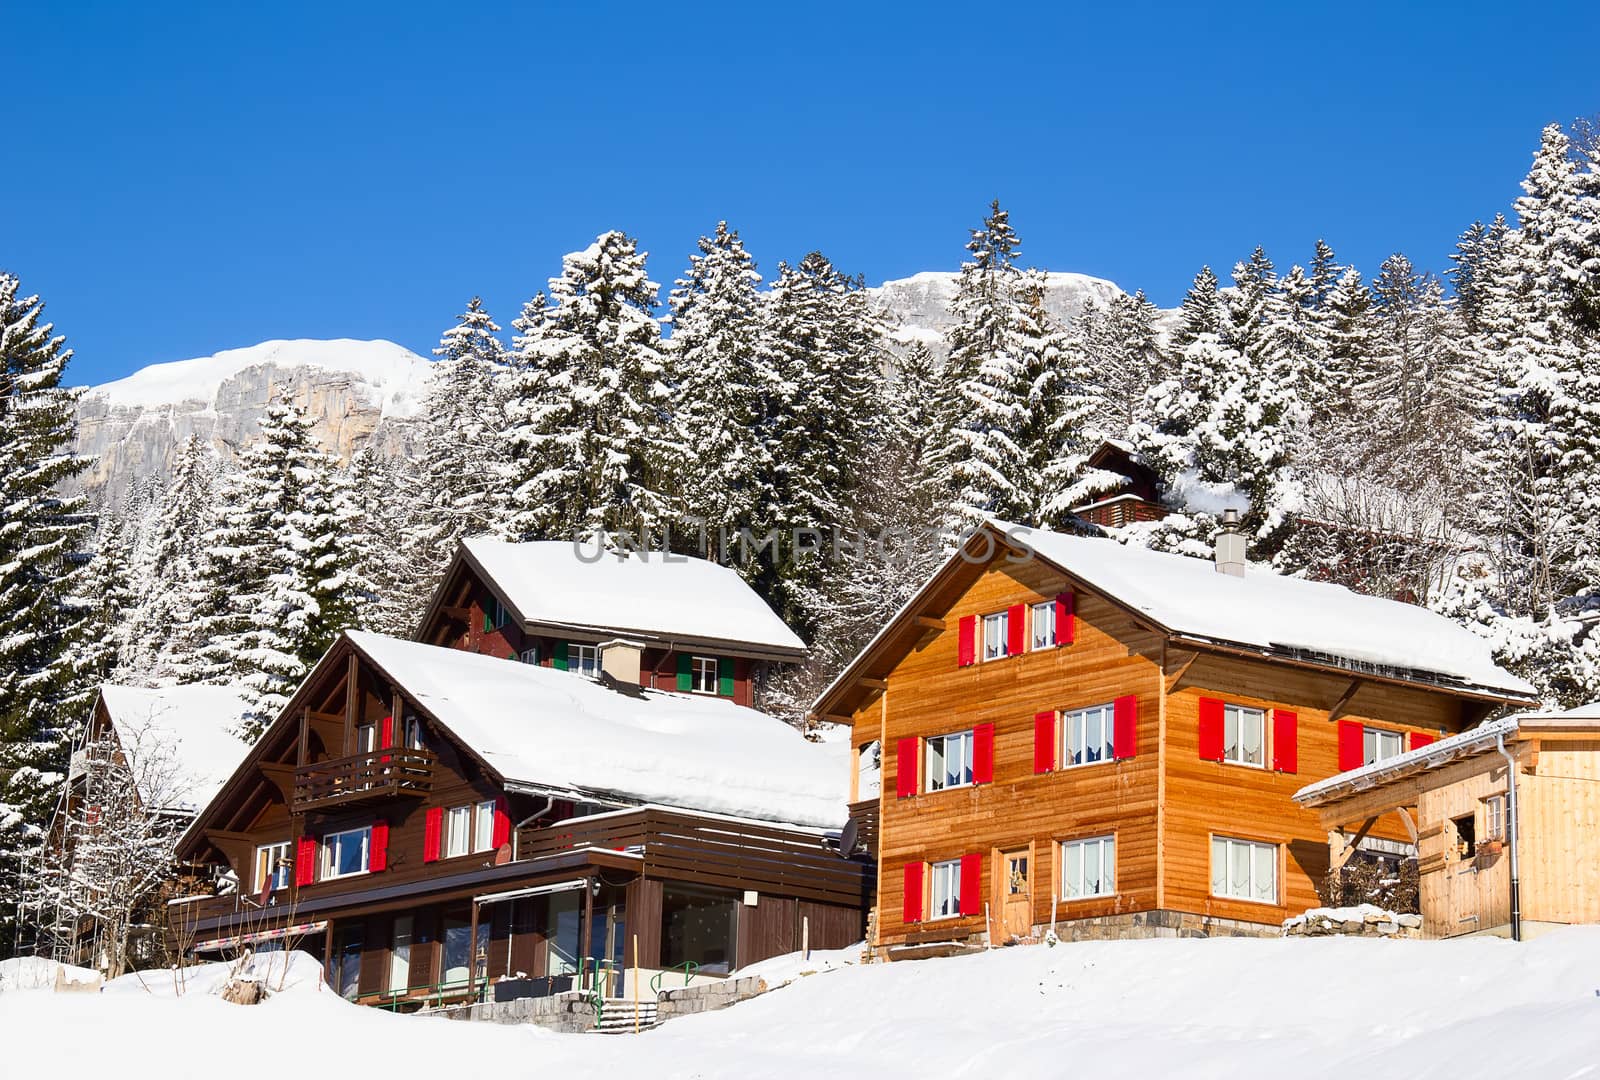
[620, 659]
[1230, 545]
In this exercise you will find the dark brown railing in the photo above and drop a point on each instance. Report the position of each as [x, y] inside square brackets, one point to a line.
[379, 774]
[865, 815]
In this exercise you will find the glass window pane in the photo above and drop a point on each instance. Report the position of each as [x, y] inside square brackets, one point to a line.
[1219, 867]
[935, 769]
[1238, 869]
[967, 744]
[1072, 884]
[1266, 861]
[1108, 864]
[1230, 734]
[1252, 729]
[1093, 735]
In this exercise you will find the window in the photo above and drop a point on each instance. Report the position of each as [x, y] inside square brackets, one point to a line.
[457, 831]
[1494, 817]
[413, 734]
[530, 656]
[1044, 625]
[274, 861]
[345, 853]
[1086, 736]
[699, 924]
[366, 738]
[1466, 836]
[1244, 735]
[584, 659]
[400, 955]
[483, 833]
[1088, 868]
[1379, 745]
[703, 674]
[495, 615]
[949, 761]
[995, 635]
[944, 889]
[1242, 870]
[869, 771]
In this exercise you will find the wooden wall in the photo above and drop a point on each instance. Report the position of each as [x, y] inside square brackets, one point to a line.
[1559, 855]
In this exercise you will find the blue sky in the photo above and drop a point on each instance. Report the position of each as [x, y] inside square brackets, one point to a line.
[176, 180]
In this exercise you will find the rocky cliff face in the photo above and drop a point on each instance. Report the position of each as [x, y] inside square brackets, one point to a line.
[358, 392]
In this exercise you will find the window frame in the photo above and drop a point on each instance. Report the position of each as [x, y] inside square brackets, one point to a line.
[1379, 736]
[576, 651]
[411, 735]
[366, 738]
[950, 870]
[330, 861]
[530, 655]
[1239, 711]
[1004, 623]
[1494, 817]
[697, 671]
[452, 815]
[1070, 718]
[482, 826]
[285, 864]
[1107, 875]
[968, 739]
[1276, 850]
[1048, 607]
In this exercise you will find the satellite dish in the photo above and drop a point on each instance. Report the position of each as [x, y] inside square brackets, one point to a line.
[502, 854]
[847, 838]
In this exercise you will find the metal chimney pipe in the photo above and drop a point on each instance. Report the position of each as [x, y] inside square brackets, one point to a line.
[1230, 549]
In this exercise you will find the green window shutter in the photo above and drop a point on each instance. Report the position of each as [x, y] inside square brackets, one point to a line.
[488, 621]
[725, 676]
[685, 672]
[558, 656]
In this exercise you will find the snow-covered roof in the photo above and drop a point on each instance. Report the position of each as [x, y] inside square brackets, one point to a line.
[1317, 620]
[563, 732]
[1473, 741]
[563, 583]
[194, 723]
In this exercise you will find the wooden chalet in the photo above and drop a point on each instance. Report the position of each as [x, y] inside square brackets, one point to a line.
[1499, 852]
[440, 825]
[1124, 489]
[556, 603]
[1062, 732]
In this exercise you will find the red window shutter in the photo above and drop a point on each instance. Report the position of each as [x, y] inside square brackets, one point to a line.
[983, 754]
[386, 733]
[1044, 742]
[966, 646]
[911, 904]
[378, 847]
[905, 756]
[1285, 741]
[1125, 726]
[972, 885]
[502, 823]
[432, 833]
[1066, 619]
[305, 861]
[1352, 754]
[1211, 729]
[1016, 630]
[1419, 740]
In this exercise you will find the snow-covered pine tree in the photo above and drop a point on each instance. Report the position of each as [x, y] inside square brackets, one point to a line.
[989, 467]
[589, 403]
[185, 514]
[1201, 312]
[391, 539]
[46, 670]
[722, 387]
[1058, 432]
[1476, 250]
[1119, 344]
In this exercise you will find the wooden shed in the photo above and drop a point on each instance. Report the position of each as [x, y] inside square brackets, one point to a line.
[1499, 852]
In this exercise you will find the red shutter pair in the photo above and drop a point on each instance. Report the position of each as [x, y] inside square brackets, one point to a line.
[378, 847]
[971, 889]
[432, 833]
[1352, 747]
[305, 861]
[905, 755]
[1285, 735]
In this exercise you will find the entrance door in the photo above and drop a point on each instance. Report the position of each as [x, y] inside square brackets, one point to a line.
[1016, 894]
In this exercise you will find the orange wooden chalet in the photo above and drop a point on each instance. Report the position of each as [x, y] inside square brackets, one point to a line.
[554, 603]
[1100, 740]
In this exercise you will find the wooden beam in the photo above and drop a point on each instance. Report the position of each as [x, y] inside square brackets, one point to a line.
[1411, 825]
[836, 718]
[352, 691]
[459, 614]
[281, 776]
[1345, 698]
[1347, 848]
[305, 736]
[1184, 664]
[325, 717]
[874, 684]
[1360, 805]
[927, 622]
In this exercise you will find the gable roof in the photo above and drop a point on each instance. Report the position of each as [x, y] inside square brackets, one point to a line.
[561, 584]
[1310, 622]
[194, 723]
[561, 732]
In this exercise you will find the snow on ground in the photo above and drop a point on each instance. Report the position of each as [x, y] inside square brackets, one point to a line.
[40, 973]
[1302, 1008]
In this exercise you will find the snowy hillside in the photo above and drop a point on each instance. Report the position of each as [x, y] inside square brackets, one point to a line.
[1335, 1008]
[921, 302]
[355, 391]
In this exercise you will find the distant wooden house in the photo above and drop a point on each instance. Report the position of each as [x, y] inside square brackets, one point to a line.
[1477, 822]
[1124, 489]
[1064, 733]
[556, 603]
[432, 821]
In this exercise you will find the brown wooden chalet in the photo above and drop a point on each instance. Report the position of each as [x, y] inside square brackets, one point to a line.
[440, 824]
[1081, 736]
[555, 603]
[1124, 489]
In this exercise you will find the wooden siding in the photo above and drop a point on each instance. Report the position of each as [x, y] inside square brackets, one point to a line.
[1559, 855]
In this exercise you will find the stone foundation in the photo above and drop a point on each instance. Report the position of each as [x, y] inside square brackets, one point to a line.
[709, 996]
[1365, 921]
[570, 1012]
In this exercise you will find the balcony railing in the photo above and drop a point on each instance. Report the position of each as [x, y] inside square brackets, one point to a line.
[368, 777]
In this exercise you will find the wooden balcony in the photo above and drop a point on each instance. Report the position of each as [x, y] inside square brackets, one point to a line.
[363, 778]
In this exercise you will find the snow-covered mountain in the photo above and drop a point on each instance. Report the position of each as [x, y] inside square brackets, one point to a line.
[357, 392]
[921, 303]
